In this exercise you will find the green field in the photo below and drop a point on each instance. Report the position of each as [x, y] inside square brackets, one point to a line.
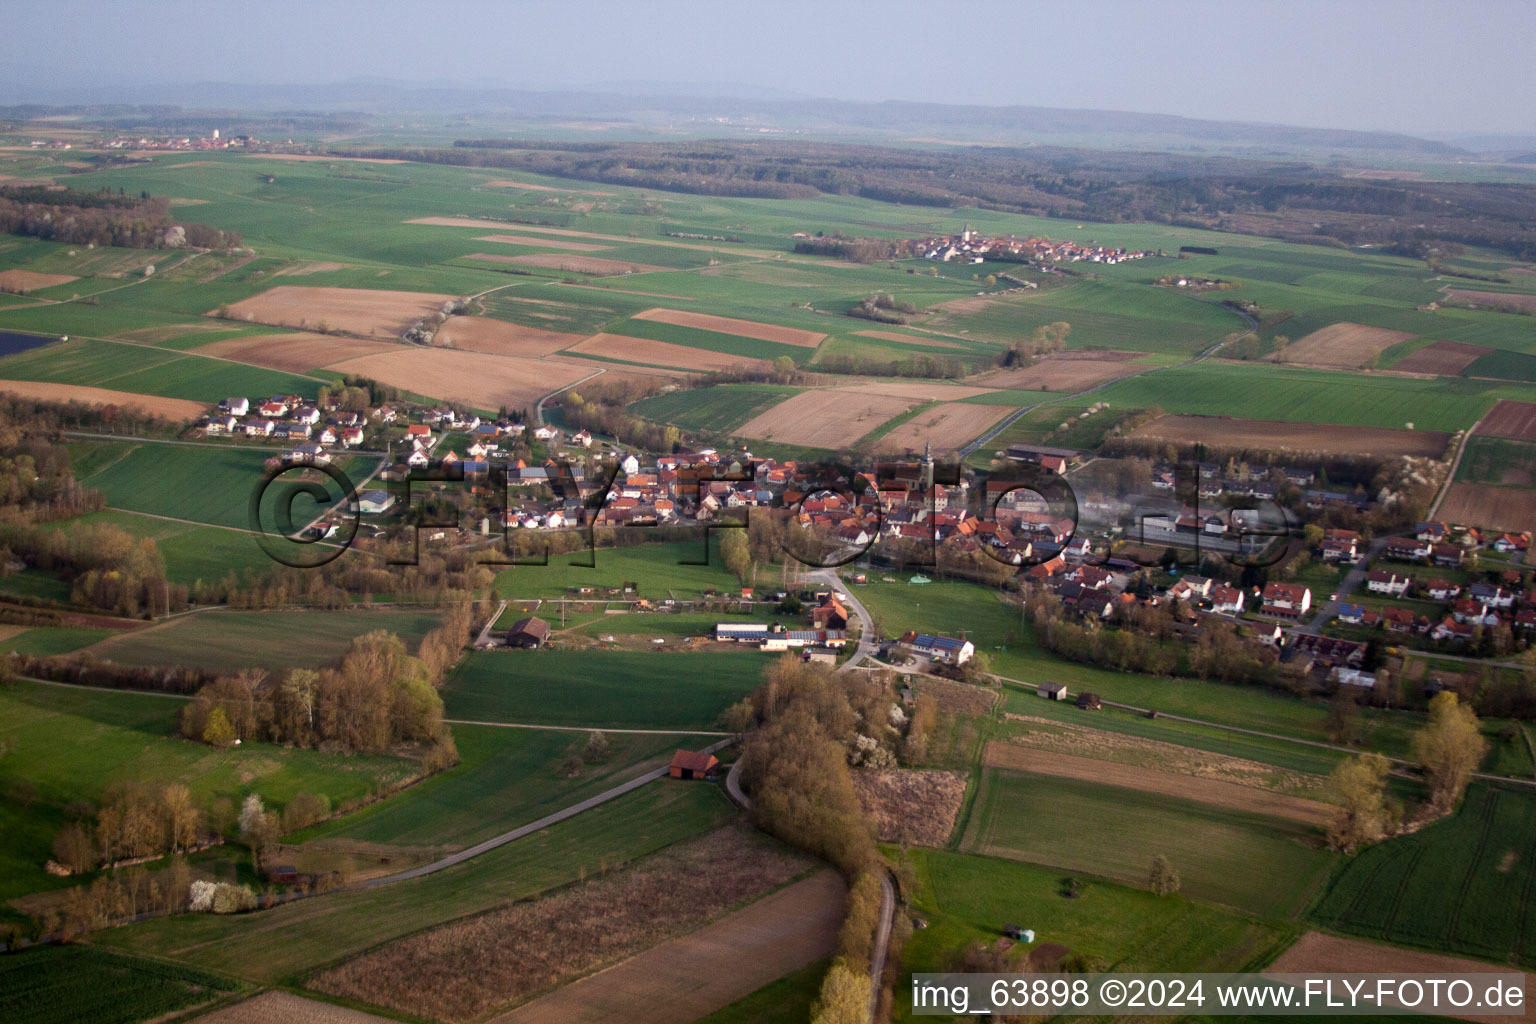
[1463, 885]
[717, 410]
[71, 743]
[504, 778]
[1497, 460]
[191, 552]
[146, 370]
[68, 984]
[1265, 392]
[301, 937]
[49, 640]
[1222, 856]
[967, 898]
[227, 641]
[786, 1001]
[208, 484]
[601, 689]
[657, 568]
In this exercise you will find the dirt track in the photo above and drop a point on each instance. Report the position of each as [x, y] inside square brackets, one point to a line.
[1229, 795]
[685, 979]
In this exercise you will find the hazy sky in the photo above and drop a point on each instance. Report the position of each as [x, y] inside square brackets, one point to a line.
[1404, 65]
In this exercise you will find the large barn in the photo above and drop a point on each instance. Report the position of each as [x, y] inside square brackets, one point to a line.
[530, 632]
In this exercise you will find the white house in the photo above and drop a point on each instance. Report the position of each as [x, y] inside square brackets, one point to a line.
[1380, 582]
[237, 406]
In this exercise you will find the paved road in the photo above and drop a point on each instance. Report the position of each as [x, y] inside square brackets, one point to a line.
[829, 578]
[1352, 579]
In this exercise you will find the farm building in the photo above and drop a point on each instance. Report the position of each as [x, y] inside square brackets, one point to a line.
[692, 764]
[821, 656]
[375, 502]
[529, 632]
[939, 648]
[1052, 691]
[830, 614]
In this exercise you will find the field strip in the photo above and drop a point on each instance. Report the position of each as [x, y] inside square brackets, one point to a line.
[690, 976]
[1216, 792]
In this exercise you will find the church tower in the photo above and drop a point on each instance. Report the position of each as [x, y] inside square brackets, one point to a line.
[927, 475]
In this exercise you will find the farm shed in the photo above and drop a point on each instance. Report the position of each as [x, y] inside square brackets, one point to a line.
[529, 632]
[692, 764]
[1089, 701]
[1052, 691]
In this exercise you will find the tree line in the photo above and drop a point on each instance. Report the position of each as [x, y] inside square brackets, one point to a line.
[87, 218]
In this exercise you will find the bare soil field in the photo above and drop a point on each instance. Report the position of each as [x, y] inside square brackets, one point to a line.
[731, 325]
[662, 353]
[907, 339]
[27, 280]
[572, 264]
[911, 805]
[1343, 346]
[482, 334]
[354, 310]
[169, 408]
[1519, 300]
[956, 698]
[623, 291]
[466, 968]
[1230, 795]
[919, 391]
[544, 188]
[1058, 374]
[1443, 358]
[547, 243]
[285, 1006]
[1275, 435]
[296, 353]
[1510, 419]
[947, 427]
[481, 380]
[689, 977]
[828, 418]
[317, 267]
[1510, 509]
[1316, 953]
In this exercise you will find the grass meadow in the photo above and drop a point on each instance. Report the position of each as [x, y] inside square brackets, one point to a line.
[294, 940]
[660, 570]
[227, 641]
[1221, 856]
[66, 984]
[504, 778]
[601, 689]
[71, 743]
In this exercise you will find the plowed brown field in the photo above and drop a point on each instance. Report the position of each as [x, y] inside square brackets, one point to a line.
[1279, 436]
[1443, 358]
[946, 427]
[1510, 419]
[170, 408]
[482, 334]
[483, 381]
[662, 353]
[824, 418]
[353, 310]
[297, 353]
[1343, 346]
